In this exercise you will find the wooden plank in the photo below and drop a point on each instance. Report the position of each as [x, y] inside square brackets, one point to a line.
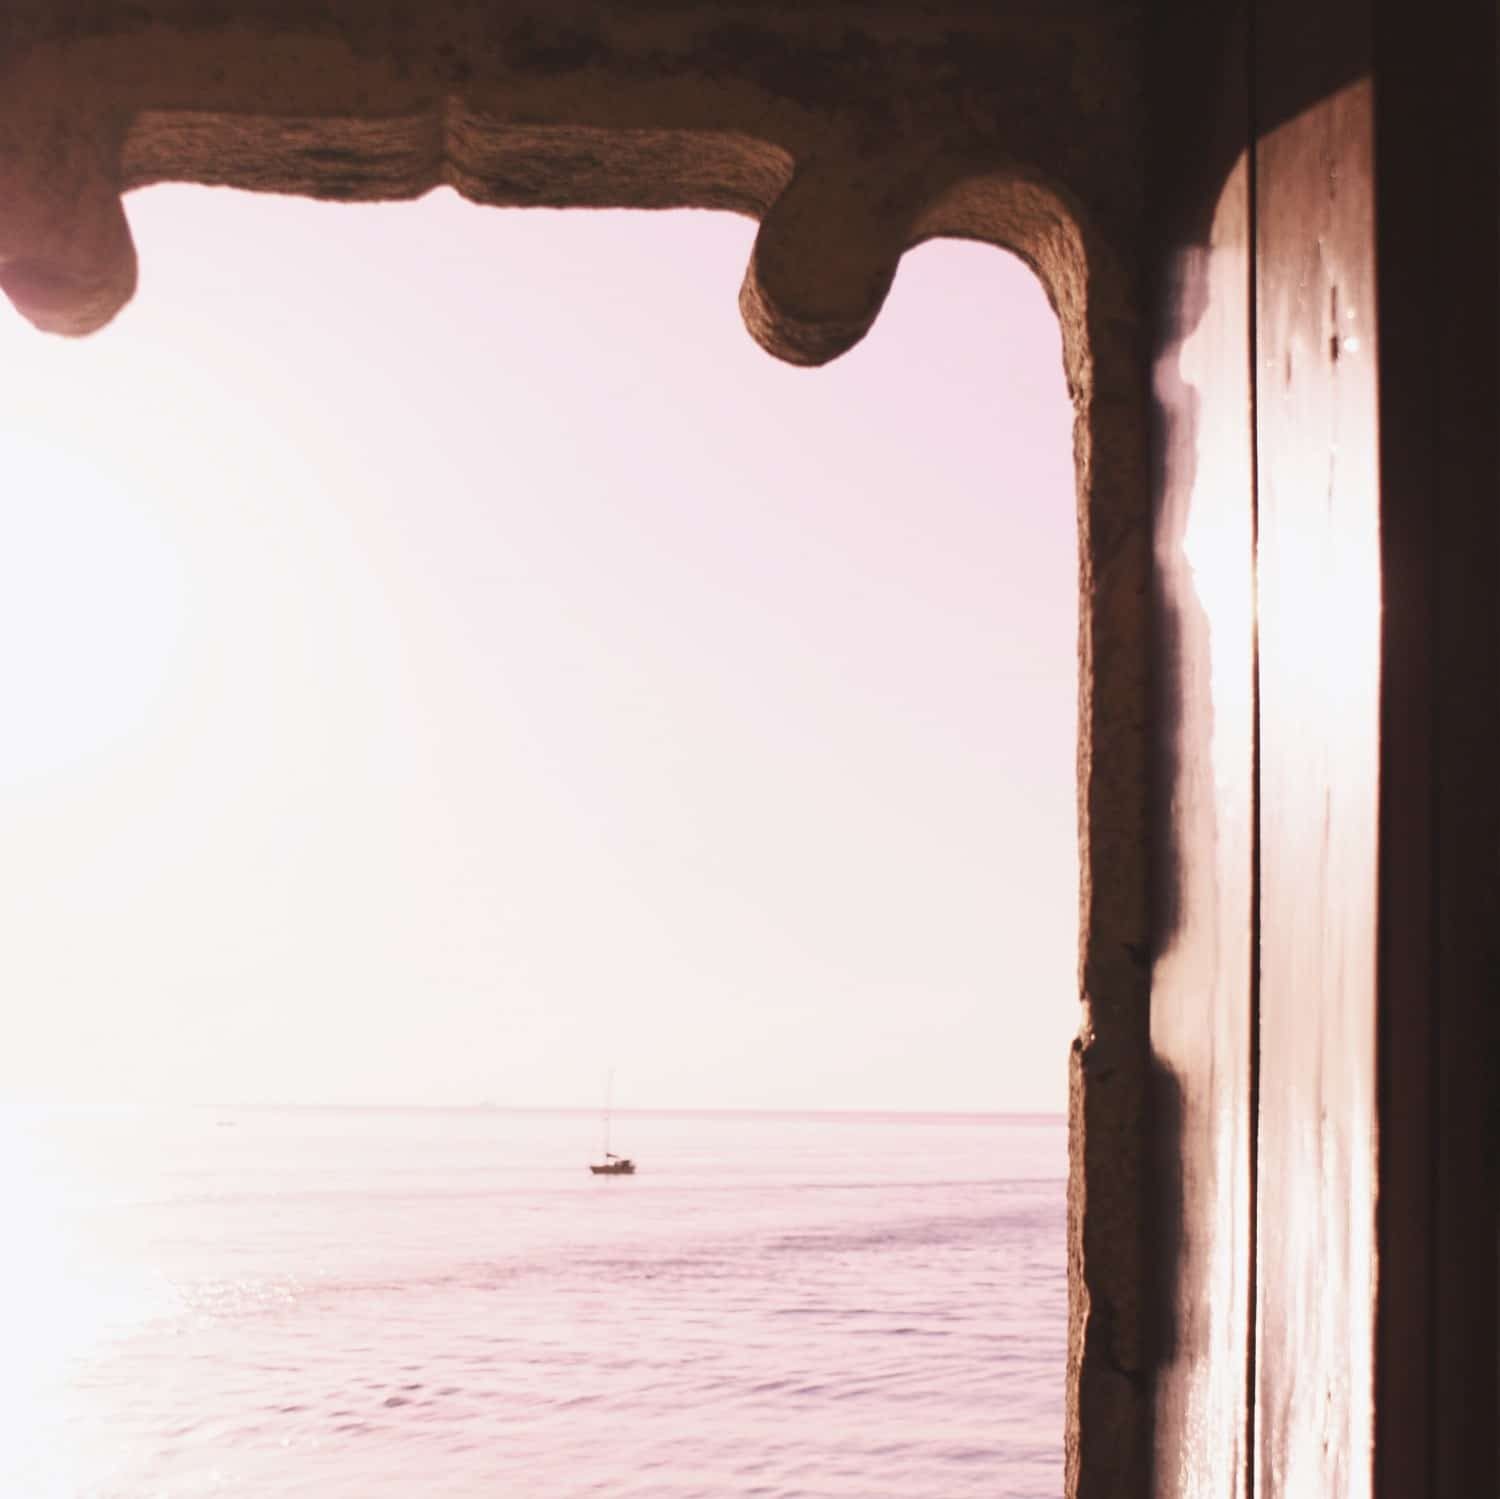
[1408, 1031]
[1203, 821]
[1438, 250]
[1319, 620]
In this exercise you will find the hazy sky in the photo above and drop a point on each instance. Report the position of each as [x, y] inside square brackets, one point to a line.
[442, 656]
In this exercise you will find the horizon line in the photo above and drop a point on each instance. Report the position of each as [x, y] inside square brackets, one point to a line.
[486, 1107]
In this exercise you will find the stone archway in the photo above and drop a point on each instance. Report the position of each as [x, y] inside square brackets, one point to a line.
[851, 135]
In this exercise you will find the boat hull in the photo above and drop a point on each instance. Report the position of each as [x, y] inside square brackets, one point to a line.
[614, 1168]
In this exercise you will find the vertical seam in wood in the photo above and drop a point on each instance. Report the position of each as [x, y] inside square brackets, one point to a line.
[1252, 272]
[1432, 422]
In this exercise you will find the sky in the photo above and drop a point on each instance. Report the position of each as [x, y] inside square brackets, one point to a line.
[443, 659]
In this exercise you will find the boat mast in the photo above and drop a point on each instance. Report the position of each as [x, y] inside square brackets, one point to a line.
[609, 1098]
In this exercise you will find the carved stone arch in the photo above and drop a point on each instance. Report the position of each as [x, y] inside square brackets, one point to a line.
[852, 133]
[1090, 290]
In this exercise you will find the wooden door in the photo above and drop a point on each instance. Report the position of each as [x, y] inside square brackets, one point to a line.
[1326, 977]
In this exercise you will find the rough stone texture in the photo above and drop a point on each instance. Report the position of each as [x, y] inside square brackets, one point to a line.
[852, 132]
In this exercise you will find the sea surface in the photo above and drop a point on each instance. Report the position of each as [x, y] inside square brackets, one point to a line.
[444, 1304]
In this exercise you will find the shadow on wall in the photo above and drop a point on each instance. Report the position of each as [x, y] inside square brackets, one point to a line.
[1168, 1219]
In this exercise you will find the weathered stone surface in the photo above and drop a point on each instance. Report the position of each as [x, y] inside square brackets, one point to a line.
[849, 119]
[853, 132]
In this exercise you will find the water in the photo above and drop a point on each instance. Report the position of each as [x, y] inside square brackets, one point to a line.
[381, 1303]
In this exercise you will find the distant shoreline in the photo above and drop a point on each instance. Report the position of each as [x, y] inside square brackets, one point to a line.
[853, 1116]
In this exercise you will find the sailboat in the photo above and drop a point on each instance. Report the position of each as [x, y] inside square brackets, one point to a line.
[612, 1165]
